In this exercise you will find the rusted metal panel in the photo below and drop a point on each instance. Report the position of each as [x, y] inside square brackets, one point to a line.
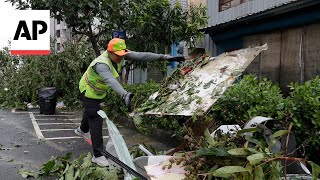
[254, 67]
[291, 57]
[311, 52]
[270, 60]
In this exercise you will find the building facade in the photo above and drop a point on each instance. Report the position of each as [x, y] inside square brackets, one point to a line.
[60, 32]
[289, 27]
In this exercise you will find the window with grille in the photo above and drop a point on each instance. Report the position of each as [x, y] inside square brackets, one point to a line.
[227, 4]
[58, 33]
[58, 47]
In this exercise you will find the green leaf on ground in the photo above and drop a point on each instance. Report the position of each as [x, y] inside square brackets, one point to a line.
[137, 120]
[247, 130]
[100, 172]
[10, 160]
[70, 173]
[258, 173]
[208, 138]
[315, 169]
[87, 161]
[47, 167]
[27, 173]
[279, 133]
[227, 171]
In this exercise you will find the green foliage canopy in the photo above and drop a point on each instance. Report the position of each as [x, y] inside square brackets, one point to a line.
[147, 22]
[23, 77]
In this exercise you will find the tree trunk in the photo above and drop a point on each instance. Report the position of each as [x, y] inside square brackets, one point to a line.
[126, 76]
[95, 47]
[93, 42]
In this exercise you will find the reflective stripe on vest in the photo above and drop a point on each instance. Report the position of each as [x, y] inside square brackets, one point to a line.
[91, 85]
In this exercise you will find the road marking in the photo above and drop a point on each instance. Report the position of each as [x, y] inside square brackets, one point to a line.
[44, 121]
[51, 119]
[48, 130]
[61, 112]
[55, 123]
[72, 137]
[17, 112]
[54, 115]
[36, 126]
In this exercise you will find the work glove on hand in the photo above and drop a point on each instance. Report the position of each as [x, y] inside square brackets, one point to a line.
[174, 58]
[127, 99]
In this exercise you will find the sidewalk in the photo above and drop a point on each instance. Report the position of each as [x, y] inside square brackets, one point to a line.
[21, 147]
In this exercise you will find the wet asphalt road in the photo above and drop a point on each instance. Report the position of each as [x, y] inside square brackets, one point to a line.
[21, 147]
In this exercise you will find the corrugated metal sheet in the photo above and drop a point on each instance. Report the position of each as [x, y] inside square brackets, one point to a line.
[240, 11]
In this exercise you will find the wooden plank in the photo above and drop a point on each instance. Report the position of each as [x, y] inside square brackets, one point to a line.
[251, 41]
[291, 60]
[312, 52]
[270, 59]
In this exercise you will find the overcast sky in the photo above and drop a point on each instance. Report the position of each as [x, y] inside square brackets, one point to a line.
[4, 33]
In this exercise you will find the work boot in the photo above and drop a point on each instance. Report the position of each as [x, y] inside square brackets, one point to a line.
[101, 161]
[79, 132]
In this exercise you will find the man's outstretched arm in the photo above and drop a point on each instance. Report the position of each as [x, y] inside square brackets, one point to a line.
[104, 71]
[145, 56]
[148, 56]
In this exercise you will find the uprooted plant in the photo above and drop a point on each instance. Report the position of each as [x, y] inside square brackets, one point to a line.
[244, 154]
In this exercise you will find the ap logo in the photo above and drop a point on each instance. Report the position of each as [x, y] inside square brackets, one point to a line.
[30, 32]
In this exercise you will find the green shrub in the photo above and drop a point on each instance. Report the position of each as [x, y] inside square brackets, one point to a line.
[24, 76]
[306, 121]
[115, 106]
[247, 99]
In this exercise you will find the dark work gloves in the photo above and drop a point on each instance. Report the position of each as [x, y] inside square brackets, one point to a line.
[174, 58]
[127, 99]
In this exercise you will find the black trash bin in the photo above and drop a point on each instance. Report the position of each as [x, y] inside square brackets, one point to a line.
[48, 100]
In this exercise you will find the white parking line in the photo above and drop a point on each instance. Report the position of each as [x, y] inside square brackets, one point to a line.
[51, 119]
[55, 123]
[54, 115]
[48, 130]
[17, 112]
[44, 119]
[36, 126]
[72, 137]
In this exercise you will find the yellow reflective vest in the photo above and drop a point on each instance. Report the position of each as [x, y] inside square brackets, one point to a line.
[92, 83]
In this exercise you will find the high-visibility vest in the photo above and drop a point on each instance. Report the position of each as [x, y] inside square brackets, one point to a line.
[92, 83]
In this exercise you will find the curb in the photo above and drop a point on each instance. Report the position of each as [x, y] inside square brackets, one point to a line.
[164, 136]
